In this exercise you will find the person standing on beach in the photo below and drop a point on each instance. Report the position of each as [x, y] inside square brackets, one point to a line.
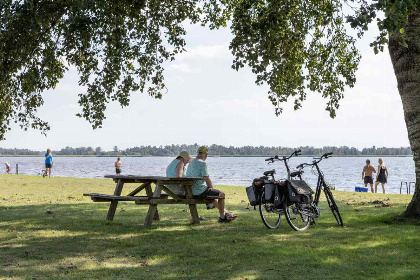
[8, 168]
[367, 173]
[382, 176]
[48, 163]
[118, 166]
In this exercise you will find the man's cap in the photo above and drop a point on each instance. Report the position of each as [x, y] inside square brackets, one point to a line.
[203, 150]
[185, 155]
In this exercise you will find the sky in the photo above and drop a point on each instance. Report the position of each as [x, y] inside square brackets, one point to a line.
[209, 103]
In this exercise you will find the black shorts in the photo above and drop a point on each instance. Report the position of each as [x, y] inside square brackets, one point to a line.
[117, 170]
[48, 165]
[368, 180]
[208, 192]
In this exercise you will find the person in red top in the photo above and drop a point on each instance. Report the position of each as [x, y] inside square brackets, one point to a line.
[367, 173]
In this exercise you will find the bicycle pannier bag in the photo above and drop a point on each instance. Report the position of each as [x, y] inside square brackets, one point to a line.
[279, 196]
[299, 191]
[251, 196]
[254, 192]
[300, 187]
[293, 196]
[269, 193]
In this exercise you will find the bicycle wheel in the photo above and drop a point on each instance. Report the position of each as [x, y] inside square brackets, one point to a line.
[296, 220]
[270, 218]
[333, 206]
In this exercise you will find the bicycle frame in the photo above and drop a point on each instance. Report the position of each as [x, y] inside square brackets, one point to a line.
[321, 183]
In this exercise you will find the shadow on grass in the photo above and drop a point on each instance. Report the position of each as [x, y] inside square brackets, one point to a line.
[75, 242]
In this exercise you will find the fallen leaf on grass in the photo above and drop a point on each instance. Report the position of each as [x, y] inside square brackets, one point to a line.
[144, 263]
[71, 266]
[387, 204]
[28, 253]
[12, 265]
[377, 202]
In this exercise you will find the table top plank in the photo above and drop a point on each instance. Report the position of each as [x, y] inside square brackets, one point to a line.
[153, 178]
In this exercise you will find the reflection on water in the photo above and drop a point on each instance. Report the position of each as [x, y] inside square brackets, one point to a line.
[345, 173]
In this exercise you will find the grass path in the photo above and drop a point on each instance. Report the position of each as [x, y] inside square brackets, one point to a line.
[48, 230]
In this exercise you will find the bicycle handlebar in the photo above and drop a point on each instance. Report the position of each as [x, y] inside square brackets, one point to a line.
[316, 161]
[272, 159]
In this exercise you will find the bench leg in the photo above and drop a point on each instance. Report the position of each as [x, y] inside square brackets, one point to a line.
[150, 195]
[194, 214]
[152, 214]
[114, 203]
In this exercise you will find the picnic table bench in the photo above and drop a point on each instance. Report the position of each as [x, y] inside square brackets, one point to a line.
[153, 197]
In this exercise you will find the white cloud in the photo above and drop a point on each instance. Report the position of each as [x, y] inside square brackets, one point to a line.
[184, 68]
[205, 52]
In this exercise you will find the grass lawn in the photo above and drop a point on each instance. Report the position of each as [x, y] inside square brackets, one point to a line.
[49, 230]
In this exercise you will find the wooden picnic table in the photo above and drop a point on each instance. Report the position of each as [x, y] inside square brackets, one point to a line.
[153, 198]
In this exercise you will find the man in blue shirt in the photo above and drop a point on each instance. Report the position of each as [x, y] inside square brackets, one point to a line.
[204, 188]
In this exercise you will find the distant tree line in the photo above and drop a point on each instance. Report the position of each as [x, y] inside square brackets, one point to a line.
[215, 150]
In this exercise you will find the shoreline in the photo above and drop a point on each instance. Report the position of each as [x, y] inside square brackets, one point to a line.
[213, 156]
[219, 185]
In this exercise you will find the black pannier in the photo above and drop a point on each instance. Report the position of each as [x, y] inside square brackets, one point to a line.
[254, 192]
[252, 196]
[269, 193]
[279, 195]
[299, 191]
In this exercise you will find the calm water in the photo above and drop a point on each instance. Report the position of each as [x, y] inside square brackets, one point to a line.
[342, 172]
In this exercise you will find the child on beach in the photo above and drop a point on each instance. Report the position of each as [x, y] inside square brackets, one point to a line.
[8, 168]
[118, 166]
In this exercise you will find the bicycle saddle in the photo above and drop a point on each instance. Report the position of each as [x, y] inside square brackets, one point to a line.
[270, 172]
[296, 173]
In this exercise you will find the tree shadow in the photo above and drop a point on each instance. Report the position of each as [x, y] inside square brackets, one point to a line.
[73, 241]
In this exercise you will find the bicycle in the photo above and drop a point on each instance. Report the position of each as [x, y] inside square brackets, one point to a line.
[321, 185]
[270, 212]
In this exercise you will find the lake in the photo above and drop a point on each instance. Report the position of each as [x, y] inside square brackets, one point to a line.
[345, 173]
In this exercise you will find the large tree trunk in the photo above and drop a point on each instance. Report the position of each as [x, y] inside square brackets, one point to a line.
[406, 62]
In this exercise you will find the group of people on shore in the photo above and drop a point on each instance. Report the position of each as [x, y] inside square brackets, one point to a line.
[381, 175]
[48, 165]
[198, 168]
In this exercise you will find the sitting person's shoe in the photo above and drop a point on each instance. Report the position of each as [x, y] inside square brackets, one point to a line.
[210, 206]
[223, 220]
[230, 215]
